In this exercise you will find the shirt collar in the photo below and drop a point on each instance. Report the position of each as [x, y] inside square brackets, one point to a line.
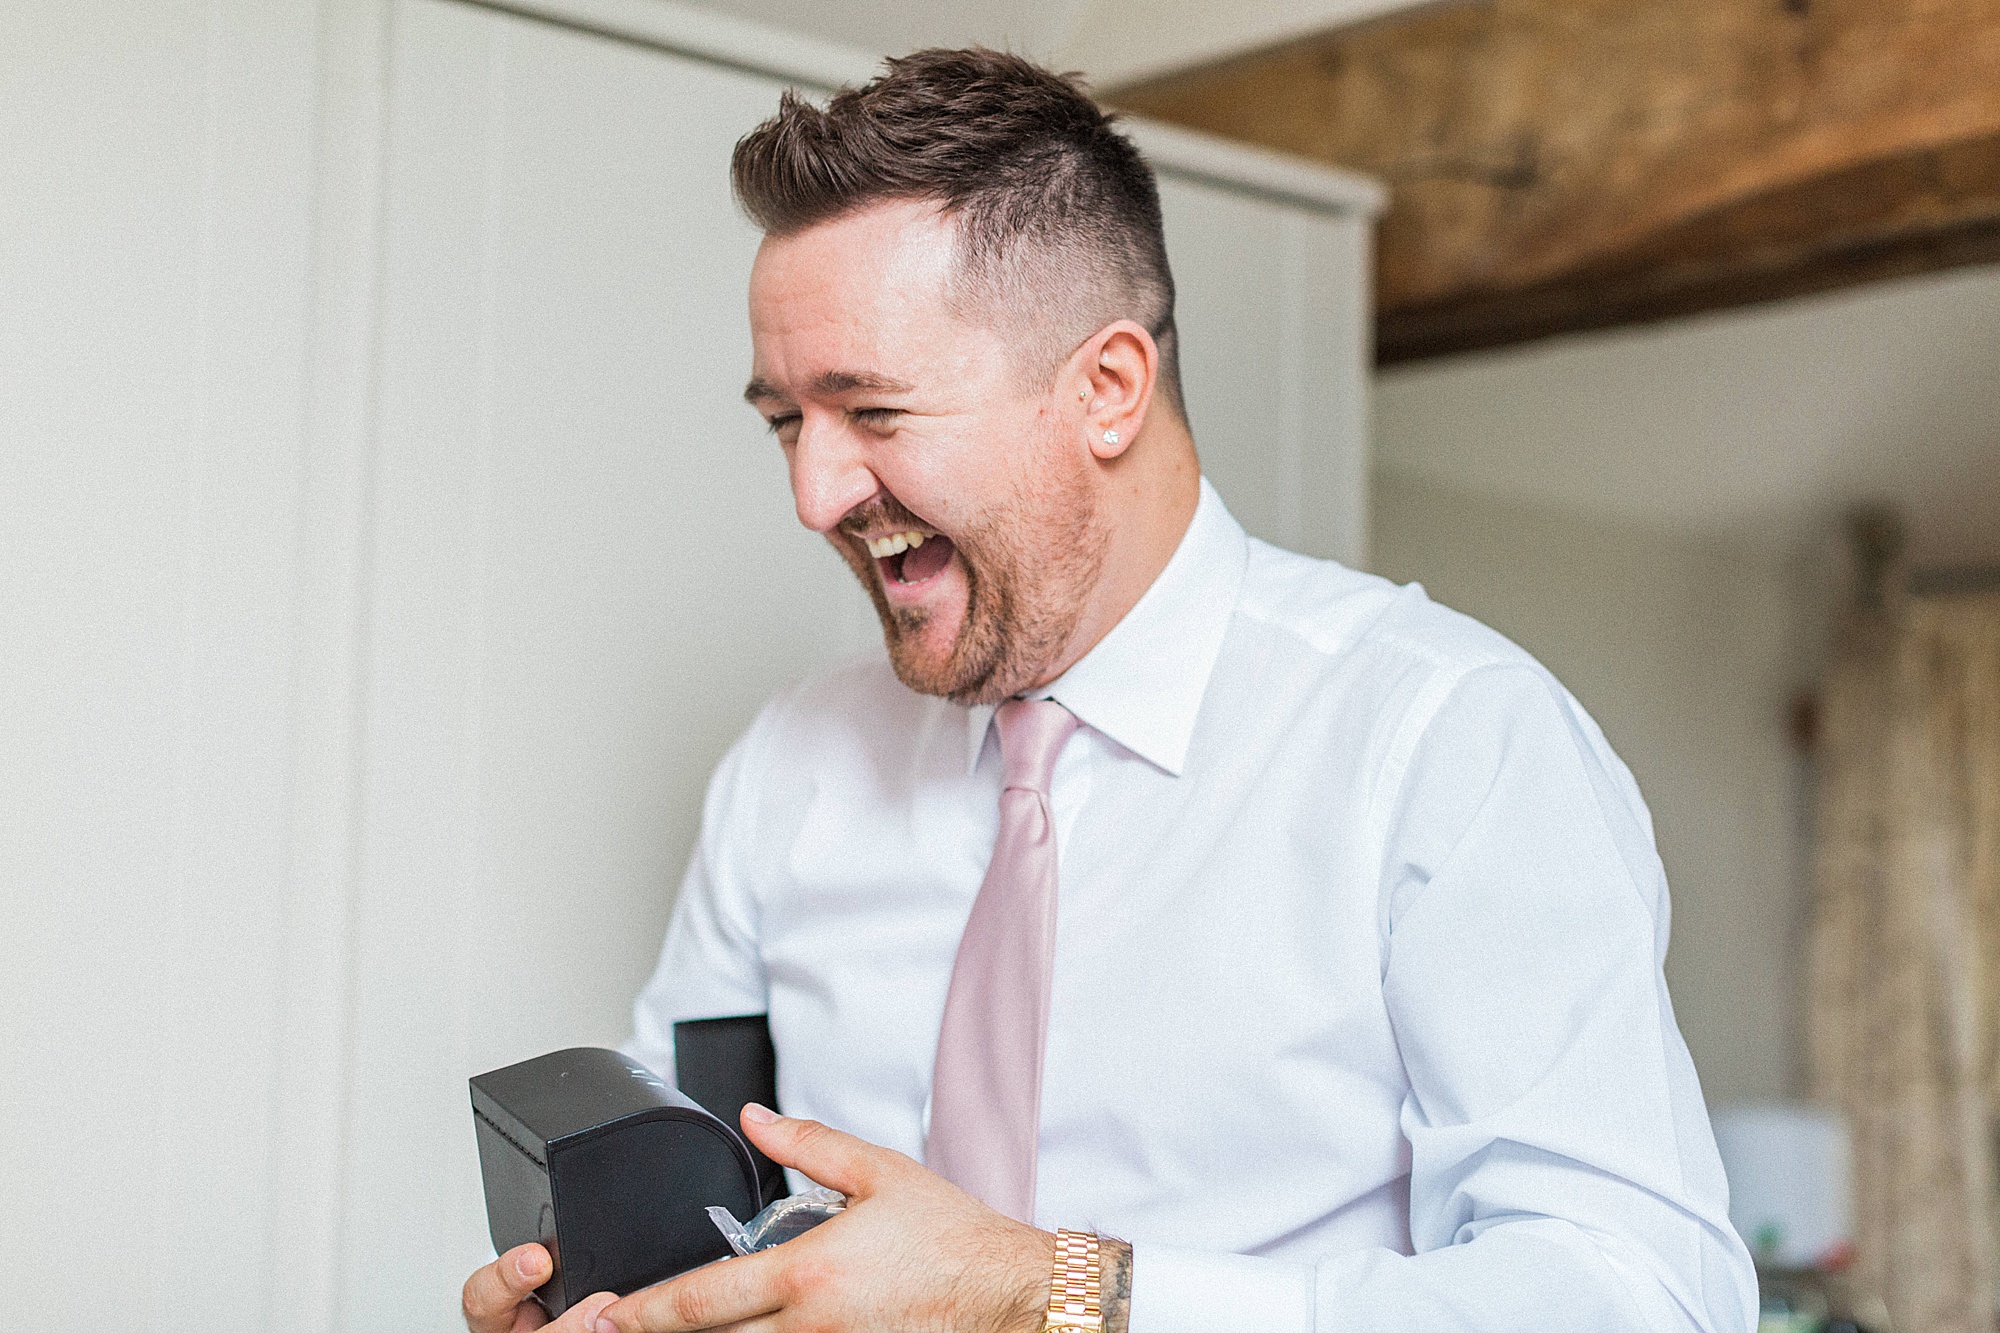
[1142, 684]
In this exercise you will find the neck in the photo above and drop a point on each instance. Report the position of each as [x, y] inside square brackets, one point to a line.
[1148, 498]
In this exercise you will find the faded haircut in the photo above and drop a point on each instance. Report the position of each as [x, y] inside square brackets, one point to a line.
[1057, 214]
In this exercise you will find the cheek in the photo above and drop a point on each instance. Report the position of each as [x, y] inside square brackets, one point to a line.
[936, 480]
[978, 471]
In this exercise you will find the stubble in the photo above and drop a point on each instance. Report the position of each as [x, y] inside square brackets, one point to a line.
[1029, 566]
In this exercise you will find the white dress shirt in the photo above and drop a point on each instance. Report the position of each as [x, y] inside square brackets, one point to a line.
[1358, 1018]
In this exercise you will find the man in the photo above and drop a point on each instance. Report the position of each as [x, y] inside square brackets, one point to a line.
[1351, 1016]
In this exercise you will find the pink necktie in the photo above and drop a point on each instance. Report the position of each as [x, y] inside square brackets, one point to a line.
[986, 1091]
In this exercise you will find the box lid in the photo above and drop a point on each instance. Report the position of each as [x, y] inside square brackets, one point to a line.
[564, 1094]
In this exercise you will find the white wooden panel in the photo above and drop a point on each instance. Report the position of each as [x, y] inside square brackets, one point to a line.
[1272, 308]
[1229, 292]
[335, 503]
[154, 235]
[588, 576]
[1330, 265]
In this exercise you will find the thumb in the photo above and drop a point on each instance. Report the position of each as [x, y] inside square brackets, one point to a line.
[838, 1161]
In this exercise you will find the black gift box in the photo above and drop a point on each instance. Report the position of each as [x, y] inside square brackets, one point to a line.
[592, 1155]
[725, 1064]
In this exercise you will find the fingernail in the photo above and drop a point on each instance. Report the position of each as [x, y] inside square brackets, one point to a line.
[763, 1115]
[528, 1266]
[598, 1321]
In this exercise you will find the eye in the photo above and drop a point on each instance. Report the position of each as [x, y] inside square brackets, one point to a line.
[782, 422]
[876, 418]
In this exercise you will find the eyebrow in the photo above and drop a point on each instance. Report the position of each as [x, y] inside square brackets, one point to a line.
[830, 383]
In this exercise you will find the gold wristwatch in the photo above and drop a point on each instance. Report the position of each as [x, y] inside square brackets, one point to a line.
[1075, 1292]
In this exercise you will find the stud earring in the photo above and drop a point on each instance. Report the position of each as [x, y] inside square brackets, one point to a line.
[1111, 437]
[1082, 394]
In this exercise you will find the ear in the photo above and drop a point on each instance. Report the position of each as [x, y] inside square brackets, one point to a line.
[1114, 370]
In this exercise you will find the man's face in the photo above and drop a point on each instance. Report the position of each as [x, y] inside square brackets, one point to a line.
[945, 473]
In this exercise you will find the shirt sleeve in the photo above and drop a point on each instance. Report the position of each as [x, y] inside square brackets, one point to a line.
[1563, 1175]
[709, 964]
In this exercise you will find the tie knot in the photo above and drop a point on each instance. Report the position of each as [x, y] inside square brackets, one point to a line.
[1032, 734]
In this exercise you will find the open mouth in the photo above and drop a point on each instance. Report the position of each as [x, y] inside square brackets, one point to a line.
[910, 557]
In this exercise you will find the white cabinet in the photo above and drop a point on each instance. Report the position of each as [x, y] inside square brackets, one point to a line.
[432, 605]
[587, 577]
[1273, 305]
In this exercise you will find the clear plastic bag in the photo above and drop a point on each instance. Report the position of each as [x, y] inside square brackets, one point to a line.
[788, 1217]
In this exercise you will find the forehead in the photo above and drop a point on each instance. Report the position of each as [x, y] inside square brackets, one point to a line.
[871, 286]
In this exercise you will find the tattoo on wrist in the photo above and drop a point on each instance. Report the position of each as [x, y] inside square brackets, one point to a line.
[1114, 1279]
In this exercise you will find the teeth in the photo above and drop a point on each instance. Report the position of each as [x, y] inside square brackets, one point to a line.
[896, 543]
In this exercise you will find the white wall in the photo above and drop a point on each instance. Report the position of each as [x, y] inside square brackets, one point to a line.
[1758, 425]
[1688, 652]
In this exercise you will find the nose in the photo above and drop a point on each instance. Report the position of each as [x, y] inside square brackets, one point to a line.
[829, 474]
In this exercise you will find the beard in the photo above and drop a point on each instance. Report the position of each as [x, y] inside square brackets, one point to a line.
[1029, 567]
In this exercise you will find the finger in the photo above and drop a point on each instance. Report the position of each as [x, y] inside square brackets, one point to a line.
[584, 1315]
[718, 1296]
[763, 1323]
[838, 1161]
[492, 1292]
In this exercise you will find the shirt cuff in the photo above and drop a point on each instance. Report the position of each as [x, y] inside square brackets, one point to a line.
[1193, 1291]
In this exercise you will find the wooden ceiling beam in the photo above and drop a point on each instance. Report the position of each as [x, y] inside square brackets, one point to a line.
[1558, 165]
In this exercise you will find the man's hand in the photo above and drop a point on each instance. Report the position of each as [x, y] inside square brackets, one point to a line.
[912, 1252]
[497, 1297]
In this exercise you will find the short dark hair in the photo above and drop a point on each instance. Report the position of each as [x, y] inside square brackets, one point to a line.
[1058, 215]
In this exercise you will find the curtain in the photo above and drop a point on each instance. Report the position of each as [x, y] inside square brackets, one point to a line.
[1904, 1010]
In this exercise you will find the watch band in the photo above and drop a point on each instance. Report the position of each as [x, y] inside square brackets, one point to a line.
[1075, 1294]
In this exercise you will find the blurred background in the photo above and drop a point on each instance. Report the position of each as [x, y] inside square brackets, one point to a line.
[385, 556]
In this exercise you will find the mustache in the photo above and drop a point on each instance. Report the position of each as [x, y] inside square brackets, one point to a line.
[884, 510]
